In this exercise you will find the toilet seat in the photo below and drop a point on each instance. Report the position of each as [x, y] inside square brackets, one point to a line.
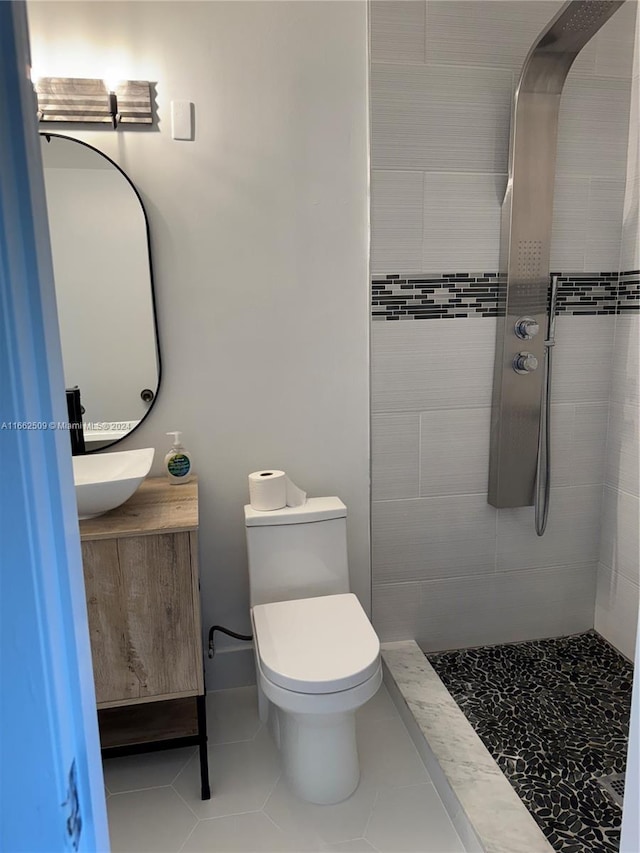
[316, 645]
[319, 703]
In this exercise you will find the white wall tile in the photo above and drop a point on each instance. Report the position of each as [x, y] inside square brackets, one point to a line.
[454, 451]
[395, 453]
[396, 221]
[578, 440]
[508, 607]
[582, 359]
[616, 612]
[589, 443]
[593, 127]
[585, 64]
[450, 119]
[462, 222]
[620, 539]
[457, 612]
[562, 422]
[570, 210]
[625, 385]
[630, 251]
[616, 616]
[545, 602]
[419, 365]
[496, 34]
[633, 156]
[636, 53]
[396, 610]
[604, 225]
[572, 534]
[397, 30]
[432, 538]
[440, 118]
[622, 469]
[614, 43]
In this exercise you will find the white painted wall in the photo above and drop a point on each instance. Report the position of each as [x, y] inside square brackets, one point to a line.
[260, 242]
[618, 591]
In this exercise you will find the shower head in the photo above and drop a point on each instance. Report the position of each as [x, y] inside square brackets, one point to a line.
[549, 60]
[527, 217]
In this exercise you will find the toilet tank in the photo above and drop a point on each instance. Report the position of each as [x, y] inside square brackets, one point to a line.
[297, 552]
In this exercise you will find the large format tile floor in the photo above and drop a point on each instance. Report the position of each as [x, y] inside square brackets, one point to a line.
[154, 799]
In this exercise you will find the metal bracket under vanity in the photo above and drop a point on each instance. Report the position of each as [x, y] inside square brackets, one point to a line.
[141, 578]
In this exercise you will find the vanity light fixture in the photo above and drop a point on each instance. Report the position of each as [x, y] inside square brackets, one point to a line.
[92, 100]
[111, 83]
[113, 108]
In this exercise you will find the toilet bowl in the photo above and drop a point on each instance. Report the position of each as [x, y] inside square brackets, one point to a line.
[317, 661]
[317, 655]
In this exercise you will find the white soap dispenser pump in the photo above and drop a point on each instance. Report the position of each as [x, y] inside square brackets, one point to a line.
[177, 462]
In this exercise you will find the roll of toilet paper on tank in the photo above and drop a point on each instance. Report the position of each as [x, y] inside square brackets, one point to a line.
[269, 490]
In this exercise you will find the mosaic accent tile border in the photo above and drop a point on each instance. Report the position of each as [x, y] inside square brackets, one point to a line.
[587, 293]
[435, 296]
[629, 292]
[440, 296]
[555, 716]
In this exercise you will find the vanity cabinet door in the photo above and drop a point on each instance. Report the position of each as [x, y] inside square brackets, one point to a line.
[142, 619]
[108, 618]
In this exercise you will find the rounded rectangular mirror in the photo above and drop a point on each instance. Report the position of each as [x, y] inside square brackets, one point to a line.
[104, 288]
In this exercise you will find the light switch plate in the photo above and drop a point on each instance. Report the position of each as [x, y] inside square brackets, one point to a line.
[181, 126]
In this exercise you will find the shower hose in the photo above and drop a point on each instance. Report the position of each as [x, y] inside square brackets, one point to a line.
[543, 465]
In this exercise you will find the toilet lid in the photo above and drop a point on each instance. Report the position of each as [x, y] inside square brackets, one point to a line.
[316, 645]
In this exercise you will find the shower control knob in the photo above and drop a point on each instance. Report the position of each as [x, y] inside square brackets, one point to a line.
[525, 362]
[527, 328]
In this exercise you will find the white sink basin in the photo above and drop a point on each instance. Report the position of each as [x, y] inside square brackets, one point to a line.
[105, 480]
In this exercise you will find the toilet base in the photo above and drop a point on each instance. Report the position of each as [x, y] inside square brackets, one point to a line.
[319, 755]
[316, 735]
[318, 750]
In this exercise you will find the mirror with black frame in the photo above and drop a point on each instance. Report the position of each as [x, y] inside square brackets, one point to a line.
[104, 290]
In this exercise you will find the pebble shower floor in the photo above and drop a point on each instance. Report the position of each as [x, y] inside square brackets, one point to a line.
[555, 716]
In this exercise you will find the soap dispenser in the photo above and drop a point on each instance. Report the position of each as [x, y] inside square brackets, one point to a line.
[177, 462]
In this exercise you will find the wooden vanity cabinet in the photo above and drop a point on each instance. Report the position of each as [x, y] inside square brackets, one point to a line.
[143, 621]
[141, 579]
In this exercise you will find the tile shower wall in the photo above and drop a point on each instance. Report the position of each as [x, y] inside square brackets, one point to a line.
[618, 569]
[448, 569]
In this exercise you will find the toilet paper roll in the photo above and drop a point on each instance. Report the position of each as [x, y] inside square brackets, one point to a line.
[269, 490]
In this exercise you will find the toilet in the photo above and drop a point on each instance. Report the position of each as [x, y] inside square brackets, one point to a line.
[317, 655]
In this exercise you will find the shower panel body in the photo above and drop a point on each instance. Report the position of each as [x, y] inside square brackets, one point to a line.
[527, 214]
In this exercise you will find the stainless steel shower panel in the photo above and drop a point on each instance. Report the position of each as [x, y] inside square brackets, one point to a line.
[527, 213]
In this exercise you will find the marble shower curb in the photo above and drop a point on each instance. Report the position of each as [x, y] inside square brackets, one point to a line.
[485, 810]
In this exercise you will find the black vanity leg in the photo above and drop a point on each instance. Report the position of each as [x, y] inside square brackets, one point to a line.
[202, 746]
